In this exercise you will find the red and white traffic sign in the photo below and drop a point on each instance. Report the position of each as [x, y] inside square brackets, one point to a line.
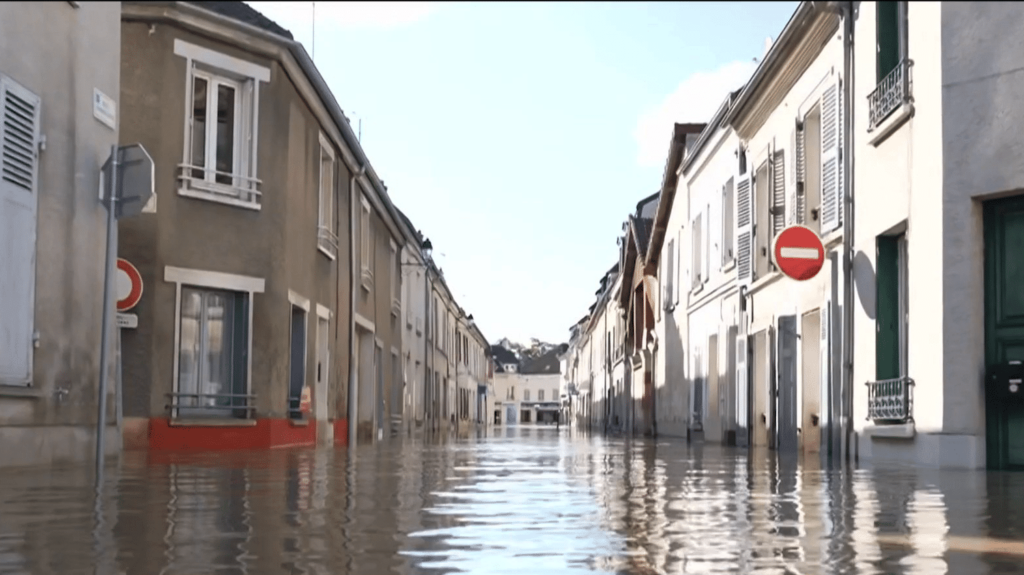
[129, 285]
[799, 252]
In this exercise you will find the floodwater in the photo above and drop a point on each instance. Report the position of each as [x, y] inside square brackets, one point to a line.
[523, 500]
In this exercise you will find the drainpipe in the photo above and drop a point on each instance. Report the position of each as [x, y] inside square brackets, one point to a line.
[426, 338]
[353, 389]
[847, 12]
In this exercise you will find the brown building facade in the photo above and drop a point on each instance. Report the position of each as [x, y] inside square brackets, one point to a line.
[271, 253]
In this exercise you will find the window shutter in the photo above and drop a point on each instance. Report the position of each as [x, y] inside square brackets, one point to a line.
[679, 265]
[798, 194]
[823, 362]
[670, 264]
[19, 172]
[778, 192]
[831, 168]
[744, 229]
[728, 222]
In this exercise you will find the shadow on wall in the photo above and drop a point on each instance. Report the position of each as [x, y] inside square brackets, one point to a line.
[672, 393]
[864, 281]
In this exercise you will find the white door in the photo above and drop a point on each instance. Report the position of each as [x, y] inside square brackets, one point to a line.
[320, 394]
[19, 161]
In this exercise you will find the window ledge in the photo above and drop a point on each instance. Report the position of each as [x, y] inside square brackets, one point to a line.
[21, 392]
[218, 198]
[299, 422]
[731, 265]
[761, 283]
[891, 431]
[889, 125]
[211, 422]
[367, 279]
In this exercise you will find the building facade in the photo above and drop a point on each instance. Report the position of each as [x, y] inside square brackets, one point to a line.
[53, 227]
[248, 344]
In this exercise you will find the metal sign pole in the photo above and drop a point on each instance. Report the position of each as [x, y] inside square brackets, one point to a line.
[107, 314]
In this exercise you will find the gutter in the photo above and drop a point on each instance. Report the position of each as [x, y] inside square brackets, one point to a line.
[847, 10]
[353, 388]
[765, 70]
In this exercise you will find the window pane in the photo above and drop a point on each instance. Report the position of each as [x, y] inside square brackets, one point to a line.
[198, 156]
[888, 38]
[211, 347]
[225, 133]
[326, 191]
[188, 347]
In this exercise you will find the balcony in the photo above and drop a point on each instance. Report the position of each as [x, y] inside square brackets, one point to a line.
[891, 401]
[890, 94]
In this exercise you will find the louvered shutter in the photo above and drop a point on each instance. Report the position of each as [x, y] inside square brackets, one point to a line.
[19, 186]
[778, 192]
[798, 193]
[744, 228]
[831, 168]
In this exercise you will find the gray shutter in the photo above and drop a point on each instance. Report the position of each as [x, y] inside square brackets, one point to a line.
[798, 193]
[831, 169]
[19, 185]
[778, 192]
[744, 229]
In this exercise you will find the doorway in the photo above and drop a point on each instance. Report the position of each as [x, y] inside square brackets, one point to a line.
[379, 402]
[714, 425]
[759, 388]
[810, 382]
[297, 372]
[785, 387]
[1004, 326]
[320, 392]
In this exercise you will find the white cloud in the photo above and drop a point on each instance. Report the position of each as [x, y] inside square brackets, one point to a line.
[695, 100]
[299, 15]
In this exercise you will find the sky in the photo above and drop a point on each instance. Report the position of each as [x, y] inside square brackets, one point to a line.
[519, 136]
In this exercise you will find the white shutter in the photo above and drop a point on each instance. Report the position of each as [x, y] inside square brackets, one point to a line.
[697, 265]
[677, 278]
[728, 222]
[19, 185]
[831, 168]
[744, 228]
[778, 192]
[798, 194]
[670, 264]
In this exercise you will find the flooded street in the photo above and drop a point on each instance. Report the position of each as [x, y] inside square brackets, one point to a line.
[522, 500]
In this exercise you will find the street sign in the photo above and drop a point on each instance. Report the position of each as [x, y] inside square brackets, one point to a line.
[136, 174]
[127, 321]
[799, 253]
[129, 285]
[306, 400]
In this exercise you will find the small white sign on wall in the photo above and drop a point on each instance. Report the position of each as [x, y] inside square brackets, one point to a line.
[104, 109]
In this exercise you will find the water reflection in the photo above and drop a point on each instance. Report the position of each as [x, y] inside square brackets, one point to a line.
[517, 500]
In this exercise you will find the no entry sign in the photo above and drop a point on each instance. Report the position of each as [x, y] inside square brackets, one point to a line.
[129, 285]
[799, 253]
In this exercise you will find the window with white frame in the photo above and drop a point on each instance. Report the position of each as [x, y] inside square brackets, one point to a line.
[326, 236]
[540, 395]
[696, 267]
[364, 243]
[396, 279]
[221, 126]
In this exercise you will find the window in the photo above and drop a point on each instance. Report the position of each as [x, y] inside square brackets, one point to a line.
[364, 244]
[540, 395]
[212, 353]
[728, 227]
[19, 166]
[554, 395]
[396, 281]
[890, 36]
[697, 268]
[669, 267]
[211, 363]
[808, 193]
[891, 307]
[222, 100]
[326, 237]
[526, 395]
[762, 221]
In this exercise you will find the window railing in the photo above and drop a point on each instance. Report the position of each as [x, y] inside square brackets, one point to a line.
[327, 240]
[206, 183]
[891, 93]
[212, 405]
[891, 401]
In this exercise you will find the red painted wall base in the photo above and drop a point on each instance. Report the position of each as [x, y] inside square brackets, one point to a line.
[266, 434]
[340, 432]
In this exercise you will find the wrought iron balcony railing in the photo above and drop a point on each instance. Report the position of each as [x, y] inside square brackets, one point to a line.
[891, 401]
[891, 93]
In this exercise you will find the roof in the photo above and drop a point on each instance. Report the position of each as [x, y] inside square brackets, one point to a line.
[546, 363]
[245, 13]
[647, 207]
[641, 233]
[503, 355]
[669, 183]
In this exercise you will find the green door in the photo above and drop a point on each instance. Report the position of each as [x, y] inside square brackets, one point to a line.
[1004, 324]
